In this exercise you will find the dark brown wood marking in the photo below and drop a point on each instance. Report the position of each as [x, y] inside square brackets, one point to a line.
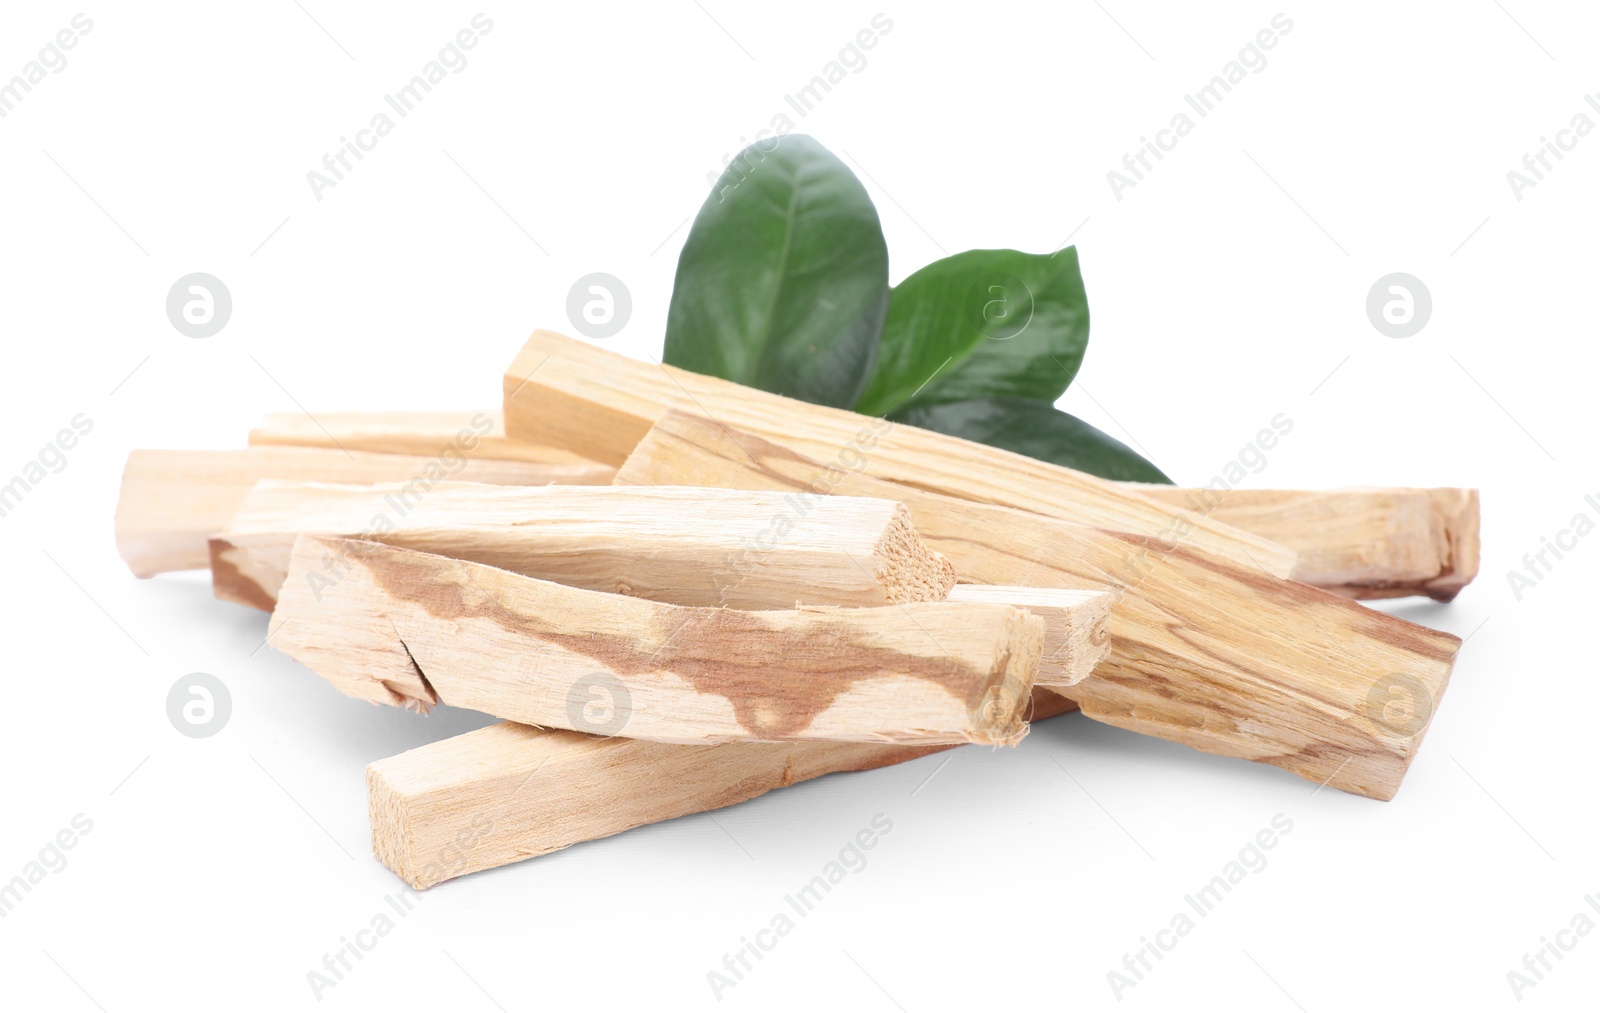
[776, 679]
[1210, 684]
[224, 574]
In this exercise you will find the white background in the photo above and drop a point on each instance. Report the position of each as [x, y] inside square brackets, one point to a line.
[1227, 287]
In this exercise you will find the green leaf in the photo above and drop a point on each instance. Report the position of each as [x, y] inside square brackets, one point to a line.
[784, 280]
[1037, 430]
[1000, 324]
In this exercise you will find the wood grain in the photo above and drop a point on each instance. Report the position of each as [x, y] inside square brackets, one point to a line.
[705, 547]
[480, 434]
[173, 501]
[391, 625]
[1077, 626]
[1226, 659]
[565, 393]
[1360, 543]
[511, 792]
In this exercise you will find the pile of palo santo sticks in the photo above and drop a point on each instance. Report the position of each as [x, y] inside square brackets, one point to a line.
[681, 593]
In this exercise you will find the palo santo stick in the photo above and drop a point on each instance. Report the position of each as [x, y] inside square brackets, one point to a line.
[1222, 658]
[565, 393]
[703, 547]
[394, 626]
[509, 792]
[1077, 633]
[1361, 543]
[1457, 514]
[481, 434]
[174, 500]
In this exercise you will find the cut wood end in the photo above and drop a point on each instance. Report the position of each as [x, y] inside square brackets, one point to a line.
[392, 843]
[1077, 626]
[1458, 510]
[1448, 539]
[368, 661]
[906, 568]
[1358, 543]
[509, 792]
[1400, 708]
[148, 538]
[1000, 717]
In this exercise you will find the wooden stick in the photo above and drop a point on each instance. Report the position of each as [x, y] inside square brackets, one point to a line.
[509, 792]
[566, 393]
[1223, 658]
[1361, 543]
[1077, 634]
[174, 500]
[394, 626]
[1457, 514]
[420, 434]
[703, 547]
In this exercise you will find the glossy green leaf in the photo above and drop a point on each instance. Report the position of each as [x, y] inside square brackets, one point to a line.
[1037, 430]
[784, 280]
[981, 324]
